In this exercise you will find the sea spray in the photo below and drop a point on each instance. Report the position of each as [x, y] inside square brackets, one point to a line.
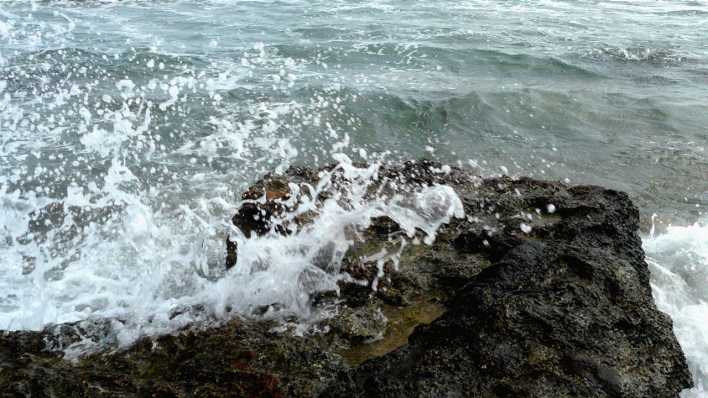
[125, 277]
[283, 271]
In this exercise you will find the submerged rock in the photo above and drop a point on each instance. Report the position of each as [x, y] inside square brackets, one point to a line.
[540, 290]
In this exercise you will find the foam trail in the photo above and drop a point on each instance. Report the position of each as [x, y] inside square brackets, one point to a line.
[678, 260]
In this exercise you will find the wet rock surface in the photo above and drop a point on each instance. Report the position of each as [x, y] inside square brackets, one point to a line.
[540, 290]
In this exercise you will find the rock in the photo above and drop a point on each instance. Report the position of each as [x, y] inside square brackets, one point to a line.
[239, 359]
[360, 324]
[255, 217]
[565, 310]
[541, 290]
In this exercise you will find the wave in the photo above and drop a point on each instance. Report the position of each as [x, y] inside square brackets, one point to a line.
[75, 56]
[456, 59]
[542, 65]
[46, 70]
[640, 55]
[692, 12]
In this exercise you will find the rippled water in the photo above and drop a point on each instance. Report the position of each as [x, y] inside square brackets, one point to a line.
[136, 124]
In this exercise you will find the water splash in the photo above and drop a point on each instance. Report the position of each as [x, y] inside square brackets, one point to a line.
[678, 260]
[138, 266]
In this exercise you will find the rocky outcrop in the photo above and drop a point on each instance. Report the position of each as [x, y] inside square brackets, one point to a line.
[540, 290]
[563, 311]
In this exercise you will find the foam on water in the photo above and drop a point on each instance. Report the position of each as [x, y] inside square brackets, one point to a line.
[678, 260]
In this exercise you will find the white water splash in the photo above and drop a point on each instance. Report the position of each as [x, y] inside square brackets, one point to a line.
[147, 269]
[678, 260]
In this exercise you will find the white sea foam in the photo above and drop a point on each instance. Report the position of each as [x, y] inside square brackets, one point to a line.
[678, 260]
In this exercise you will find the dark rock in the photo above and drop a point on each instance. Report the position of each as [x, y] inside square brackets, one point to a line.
[565, 310]
[519, 298]
[256, 217]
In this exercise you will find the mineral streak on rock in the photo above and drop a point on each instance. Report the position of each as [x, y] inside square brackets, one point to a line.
[561, 308]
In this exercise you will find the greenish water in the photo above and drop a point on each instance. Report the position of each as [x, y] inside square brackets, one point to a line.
[158, 113]
[612, 93]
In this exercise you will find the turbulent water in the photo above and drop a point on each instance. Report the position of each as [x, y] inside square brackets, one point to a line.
[128, 130]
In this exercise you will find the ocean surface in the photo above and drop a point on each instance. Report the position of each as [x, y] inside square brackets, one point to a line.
[129, 128]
